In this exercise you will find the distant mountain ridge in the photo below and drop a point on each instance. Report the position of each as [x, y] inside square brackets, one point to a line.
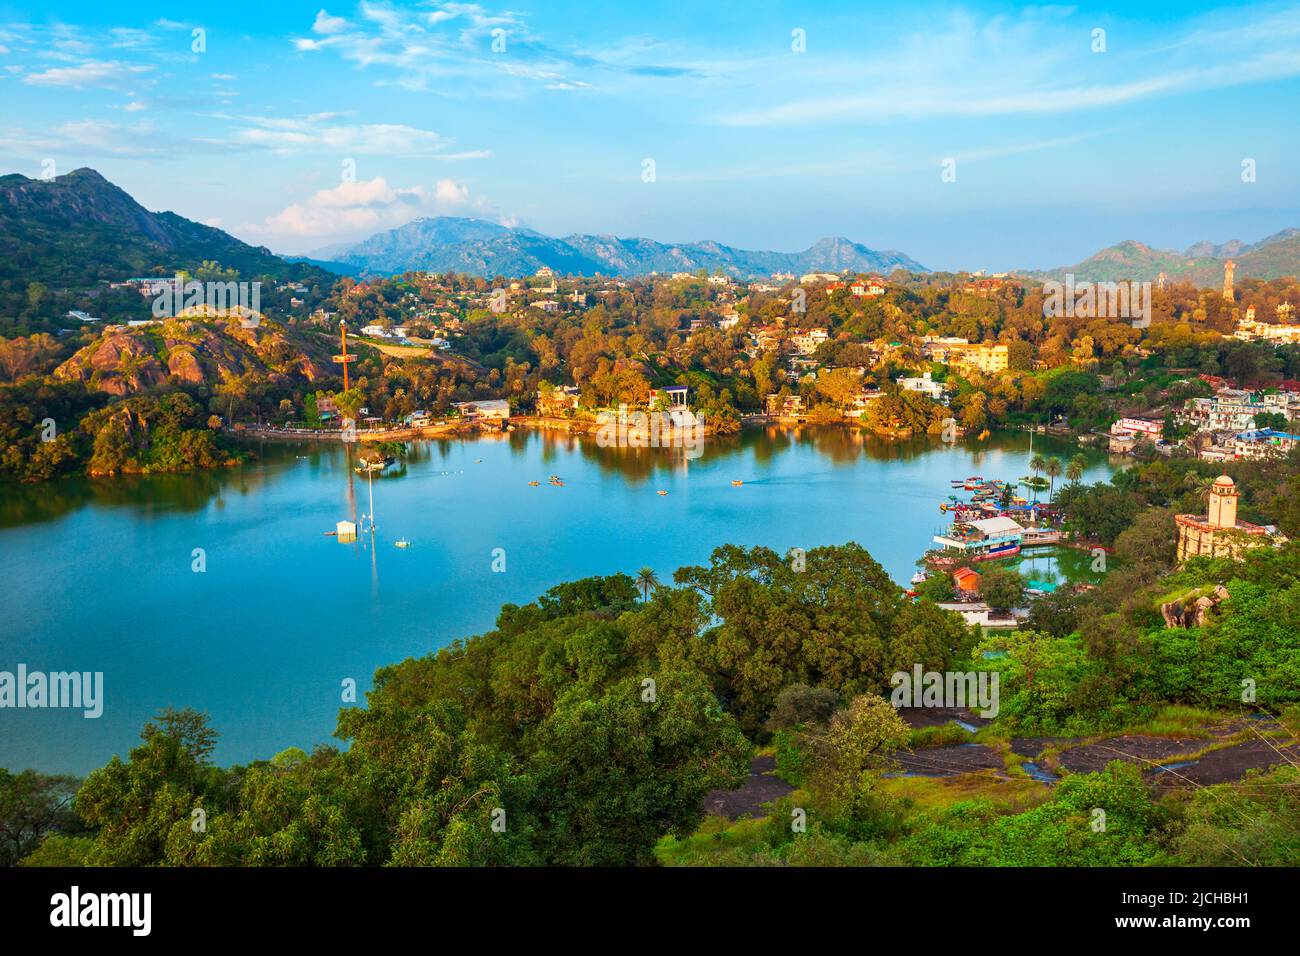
[79, 228]
[479, 247]
[1270, 258]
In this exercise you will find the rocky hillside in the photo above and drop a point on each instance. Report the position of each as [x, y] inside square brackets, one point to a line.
[126, 360]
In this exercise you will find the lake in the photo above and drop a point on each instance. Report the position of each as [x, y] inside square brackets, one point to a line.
[98, 575]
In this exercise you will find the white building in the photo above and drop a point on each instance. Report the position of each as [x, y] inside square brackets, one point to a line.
[926, 385]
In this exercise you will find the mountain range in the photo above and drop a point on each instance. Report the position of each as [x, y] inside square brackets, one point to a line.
[1270, 258]
[78, 229]
[480, 247]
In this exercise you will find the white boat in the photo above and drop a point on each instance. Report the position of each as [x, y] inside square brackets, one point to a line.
[402, 543]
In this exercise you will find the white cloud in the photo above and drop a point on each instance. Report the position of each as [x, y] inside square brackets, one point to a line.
[461, 41]
[324, 132]
[111, 74]
[452, 193]
[355, 210]
[327, 24]
[1038, 63]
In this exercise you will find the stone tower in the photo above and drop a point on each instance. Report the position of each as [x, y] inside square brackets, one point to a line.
[1228, 269]
[1223, 503]
[1160, 281]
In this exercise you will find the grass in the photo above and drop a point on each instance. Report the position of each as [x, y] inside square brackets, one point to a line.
[939, 735]
[1176, 720]
[716, 837]
[936, 793]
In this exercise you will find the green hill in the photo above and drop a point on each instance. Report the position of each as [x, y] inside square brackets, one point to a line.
[78, 229]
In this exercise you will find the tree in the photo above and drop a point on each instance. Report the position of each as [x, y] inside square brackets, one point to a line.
[1075, 469]
[1274, 420]
[616, 772]
[1053, 469]
[1002, 588]
[849, 759]
[647, 581]
[138, 806]
[800, 704]
[1037, 464]
[32, 807]
[1151, 541]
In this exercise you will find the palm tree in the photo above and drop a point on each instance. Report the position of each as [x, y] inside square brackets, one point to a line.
[1075, 469]
[1199, 485]
[1036, 464]
[1053, 469]
[646, 580]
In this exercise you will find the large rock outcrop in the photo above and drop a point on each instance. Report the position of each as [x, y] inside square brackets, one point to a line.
[1189, 611]
[126, 360]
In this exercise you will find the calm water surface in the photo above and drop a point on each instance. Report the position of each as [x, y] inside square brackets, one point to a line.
[97, 575]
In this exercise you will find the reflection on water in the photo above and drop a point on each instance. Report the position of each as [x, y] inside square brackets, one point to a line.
[98, 573]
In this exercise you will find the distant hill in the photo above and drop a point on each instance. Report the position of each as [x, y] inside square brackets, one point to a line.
[78, 229]
[485, 248]
[1271, 258]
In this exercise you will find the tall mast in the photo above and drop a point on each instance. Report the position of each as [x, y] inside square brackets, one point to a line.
[345, 358]
[371, 475]
[343, 331]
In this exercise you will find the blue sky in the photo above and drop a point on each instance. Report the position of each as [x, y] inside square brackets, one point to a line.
[297, 126]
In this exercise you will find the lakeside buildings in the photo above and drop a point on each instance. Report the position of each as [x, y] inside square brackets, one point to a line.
[1127, 432]
[984, 539]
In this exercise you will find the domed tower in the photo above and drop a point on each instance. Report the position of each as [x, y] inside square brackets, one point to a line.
[1223, 503]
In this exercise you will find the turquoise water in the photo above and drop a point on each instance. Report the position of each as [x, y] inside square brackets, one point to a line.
[98, 574]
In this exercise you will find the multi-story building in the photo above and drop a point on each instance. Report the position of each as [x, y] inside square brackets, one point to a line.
[1125, 433]
[1230, 409]
[988, 359]
[869, 288]
[939, 348]
[806, 343]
